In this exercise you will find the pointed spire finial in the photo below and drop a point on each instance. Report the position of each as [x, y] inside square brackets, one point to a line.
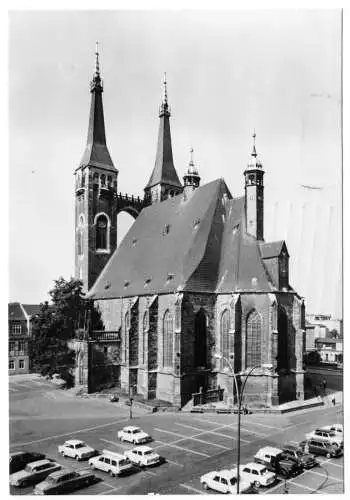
[254, 153]
[97, 67]
[191, 156]
[165, 91]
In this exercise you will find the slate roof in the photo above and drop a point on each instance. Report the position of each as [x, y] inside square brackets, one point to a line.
[15, 312]
[198, 245]
[273, 249]
[32, 309]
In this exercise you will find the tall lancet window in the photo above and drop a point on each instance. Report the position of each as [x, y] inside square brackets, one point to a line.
[225, 329]
[168, 333]
[102, 233]
[81, 236]
[253, 340]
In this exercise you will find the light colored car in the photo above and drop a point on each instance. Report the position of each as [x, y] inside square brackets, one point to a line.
[77, 449]
[33, 473]
[143, 456]
[327, 435]
[64, 481]
[112, 463]
[134, 435]
[256, 474]
[337, 428]
[224, 481]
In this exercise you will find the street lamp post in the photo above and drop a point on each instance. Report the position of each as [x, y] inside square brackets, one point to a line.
[239, 404]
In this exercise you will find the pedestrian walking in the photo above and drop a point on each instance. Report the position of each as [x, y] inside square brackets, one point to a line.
[333, 401]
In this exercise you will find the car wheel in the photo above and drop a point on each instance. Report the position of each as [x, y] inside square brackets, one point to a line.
[62, 453]
[111, 473]
[76, 458]
[328, 455]
[257, 484]
[205, 486]
[92, 467]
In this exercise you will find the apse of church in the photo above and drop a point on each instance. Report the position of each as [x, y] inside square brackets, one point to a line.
[193, 293]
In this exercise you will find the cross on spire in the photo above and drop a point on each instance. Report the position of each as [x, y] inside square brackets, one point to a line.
[97, 66]
[254, 153]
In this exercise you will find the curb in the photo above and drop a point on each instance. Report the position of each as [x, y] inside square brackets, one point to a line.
[254, 410]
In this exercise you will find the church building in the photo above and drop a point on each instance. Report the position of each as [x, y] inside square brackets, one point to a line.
[193, 293]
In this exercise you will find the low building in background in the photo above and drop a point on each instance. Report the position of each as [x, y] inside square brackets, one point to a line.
[331, 350]
[326, 324]
[20, 328]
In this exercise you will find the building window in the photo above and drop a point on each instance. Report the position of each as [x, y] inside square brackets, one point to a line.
[21, 347]
[253, 340]
[102, 233]
[17, 329]
[11, 364]
[103, 180]
[168, 332]
[225, 329]
[11, 346]
[21, 364]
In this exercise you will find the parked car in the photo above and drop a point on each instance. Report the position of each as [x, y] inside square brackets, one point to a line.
[33, 473]
[327, 435]
[112, 463]
[336, 428]
[224, 481]
[319, 446]
[275, 461]
[143, 456]
[256, 474]
[77, 449]
[134, 435]
[295, 453]
[65, 481]
[19, 459]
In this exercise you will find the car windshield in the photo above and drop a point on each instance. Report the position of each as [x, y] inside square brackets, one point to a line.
[148, 452]
[263, 471]
[299, 453]
[80, 445]
[124, 461]
[135, 431]
[51, 479]
[233, 480]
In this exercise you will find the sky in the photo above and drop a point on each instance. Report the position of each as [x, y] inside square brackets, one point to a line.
[228, 72]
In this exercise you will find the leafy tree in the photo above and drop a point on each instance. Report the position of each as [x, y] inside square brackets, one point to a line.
[56, 324]
[312, 358]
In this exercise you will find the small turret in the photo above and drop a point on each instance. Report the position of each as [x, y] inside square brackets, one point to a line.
[254, 195]
[191, 177]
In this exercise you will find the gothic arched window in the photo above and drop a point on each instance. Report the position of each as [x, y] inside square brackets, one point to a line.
[103, 180]
[102, 233]
[224, 330]
[81, 236]
[144, 336]
[168, 333]
[253, 340]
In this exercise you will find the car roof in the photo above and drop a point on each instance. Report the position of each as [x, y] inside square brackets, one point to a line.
[40, 462]
[225, 473]
[74, 441]
[131, 428]
[255, 465]
[290, 447]
[143, 448]
[270, 449]
[17, 453]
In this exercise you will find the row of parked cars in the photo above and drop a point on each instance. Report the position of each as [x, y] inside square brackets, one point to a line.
[271, 463]
[49, 477]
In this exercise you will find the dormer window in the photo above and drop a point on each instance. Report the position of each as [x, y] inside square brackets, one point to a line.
[107, 285]
[166, 229]
[134, 241]
[126, 284]
[170, 277]
[196, 223]
[147, 282]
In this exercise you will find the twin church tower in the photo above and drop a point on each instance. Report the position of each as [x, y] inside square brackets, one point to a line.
[98, 202]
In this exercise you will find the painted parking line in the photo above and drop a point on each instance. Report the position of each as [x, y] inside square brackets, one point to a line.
[174, 463]
[331, 463]
[121, 445]
[192, 438]
[217, 428]
[328, 476]
[204, 431]
[254, 432]
[261, 425]
[173, 445]
[199, 492]
[87, 429]
[106, 492]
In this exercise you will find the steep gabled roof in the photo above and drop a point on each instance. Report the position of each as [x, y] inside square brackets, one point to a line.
[15, 312]
[32, 309]
[272, 249]
[166, 245]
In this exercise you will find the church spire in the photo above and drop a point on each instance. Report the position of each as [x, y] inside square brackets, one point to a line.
[191, 177]
[164, 181]
[96, 152]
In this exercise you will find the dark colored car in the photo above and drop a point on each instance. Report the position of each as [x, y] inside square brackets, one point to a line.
[295, 453]
[19, 459]
[276, 461]
[319, 446]
[65, 481]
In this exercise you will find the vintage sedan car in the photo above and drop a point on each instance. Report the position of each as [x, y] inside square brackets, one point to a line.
[19, 459]
[256, 474]
[327, 435]
[224, 481]
[336, 428]
[295, 453]
[77, 449]
[143, 456]
[319, 446]
[34, 473]
[134, 435]
[65, 481]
